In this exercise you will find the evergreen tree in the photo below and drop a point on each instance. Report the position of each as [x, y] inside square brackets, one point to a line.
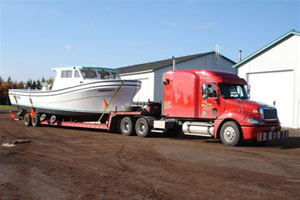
[38, 84]
[33, 85]
[29, 84]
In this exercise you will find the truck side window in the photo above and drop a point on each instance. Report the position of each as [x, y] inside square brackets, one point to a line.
[212, 90]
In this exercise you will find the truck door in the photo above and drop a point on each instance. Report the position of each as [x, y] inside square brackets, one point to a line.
[210, 105]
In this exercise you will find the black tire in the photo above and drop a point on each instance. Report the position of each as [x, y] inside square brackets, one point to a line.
[35, 120]
[53, 119]
[142, 128]
[27, 120]
[230, 134]
[126, 126]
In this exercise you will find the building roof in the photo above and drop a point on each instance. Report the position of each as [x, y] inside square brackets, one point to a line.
[267, 47]
[152, 66]
[83, 67]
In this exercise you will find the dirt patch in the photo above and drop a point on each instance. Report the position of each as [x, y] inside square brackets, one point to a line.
[61, 163]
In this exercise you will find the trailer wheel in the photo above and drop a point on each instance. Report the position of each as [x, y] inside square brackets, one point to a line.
[126, 126]
[230, 134]
[52, 119]
[43, 117]
[35, 120]
[27, 119]
[142, 127]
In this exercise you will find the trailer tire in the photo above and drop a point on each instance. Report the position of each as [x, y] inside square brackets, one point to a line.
[35, 120]
[53, 119]
[43, 117]
[126, 126]
[230, 134]
[142, 127]
[27, 119]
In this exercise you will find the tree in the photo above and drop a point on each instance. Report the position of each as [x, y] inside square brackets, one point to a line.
[3, 93]
[20, 85]
[33, 85]
[38, 84]
[29, 84]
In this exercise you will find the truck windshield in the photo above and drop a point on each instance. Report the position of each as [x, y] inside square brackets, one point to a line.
[232, 91]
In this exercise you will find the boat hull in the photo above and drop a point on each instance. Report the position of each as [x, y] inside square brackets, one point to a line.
[85, 100]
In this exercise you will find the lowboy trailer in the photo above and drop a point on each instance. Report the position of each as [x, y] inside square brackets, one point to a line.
[195, 102]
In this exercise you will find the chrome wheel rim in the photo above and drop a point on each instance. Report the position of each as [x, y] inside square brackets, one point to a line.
[126, 126]
[229, 134]
[142, 128]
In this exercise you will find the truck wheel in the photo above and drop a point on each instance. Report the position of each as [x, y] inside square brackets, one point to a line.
[142, 128]
[230, 134]
[126, 126]
[27, 119]
[35, 120]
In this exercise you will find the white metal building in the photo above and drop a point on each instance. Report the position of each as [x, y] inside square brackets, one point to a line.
[273, 73]
[151, 74]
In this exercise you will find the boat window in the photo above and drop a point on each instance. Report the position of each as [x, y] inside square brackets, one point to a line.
[66, 73]
[115, 75]
[88, 73]
[104, 74]
[76, 75]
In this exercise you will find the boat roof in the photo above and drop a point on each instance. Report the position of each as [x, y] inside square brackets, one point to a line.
[83, 67]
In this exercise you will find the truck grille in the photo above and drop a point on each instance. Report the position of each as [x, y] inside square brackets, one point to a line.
[268, 113]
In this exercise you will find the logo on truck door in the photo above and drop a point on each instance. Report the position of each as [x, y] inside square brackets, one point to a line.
[206, 105]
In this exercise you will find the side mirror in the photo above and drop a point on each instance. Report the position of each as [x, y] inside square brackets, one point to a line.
[248, 90]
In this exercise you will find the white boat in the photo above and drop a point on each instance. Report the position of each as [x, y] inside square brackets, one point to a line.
[79, 93]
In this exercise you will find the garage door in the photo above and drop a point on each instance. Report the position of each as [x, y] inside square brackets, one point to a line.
[275, 88]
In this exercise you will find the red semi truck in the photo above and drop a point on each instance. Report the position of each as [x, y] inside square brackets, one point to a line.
[195, 102]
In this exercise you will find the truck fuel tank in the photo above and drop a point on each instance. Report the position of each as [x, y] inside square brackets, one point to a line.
[198, 128]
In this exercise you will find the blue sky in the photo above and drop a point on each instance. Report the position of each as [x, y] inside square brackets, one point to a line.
[38, 35]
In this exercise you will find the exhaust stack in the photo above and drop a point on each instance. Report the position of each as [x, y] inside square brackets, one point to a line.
[174, 62]
[240, 55]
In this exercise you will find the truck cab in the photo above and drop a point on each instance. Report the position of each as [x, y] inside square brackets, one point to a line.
[216, 103]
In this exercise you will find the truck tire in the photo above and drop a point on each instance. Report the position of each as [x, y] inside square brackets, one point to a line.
[35, 120]
[27, 119]
[230, 134]
[142, 127]
[126, 126]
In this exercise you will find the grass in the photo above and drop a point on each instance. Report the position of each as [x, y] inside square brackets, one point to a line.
[5, 107]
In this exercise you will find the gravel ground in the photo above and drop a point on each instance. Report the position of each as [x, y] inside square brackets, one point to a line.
[64, 163]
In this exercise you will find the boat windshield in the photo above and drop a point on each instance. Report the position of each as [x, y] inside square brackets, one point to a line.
[232, 91]
[115, 75]
[88, 73]
[104, 74]
[99, 74]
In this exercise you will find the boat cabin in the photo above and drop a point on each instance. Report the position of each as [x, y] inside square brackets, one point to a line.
[71, 76]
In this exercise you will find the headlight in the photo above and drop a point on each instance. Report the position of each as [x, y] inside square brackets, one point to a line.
[254, 121]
